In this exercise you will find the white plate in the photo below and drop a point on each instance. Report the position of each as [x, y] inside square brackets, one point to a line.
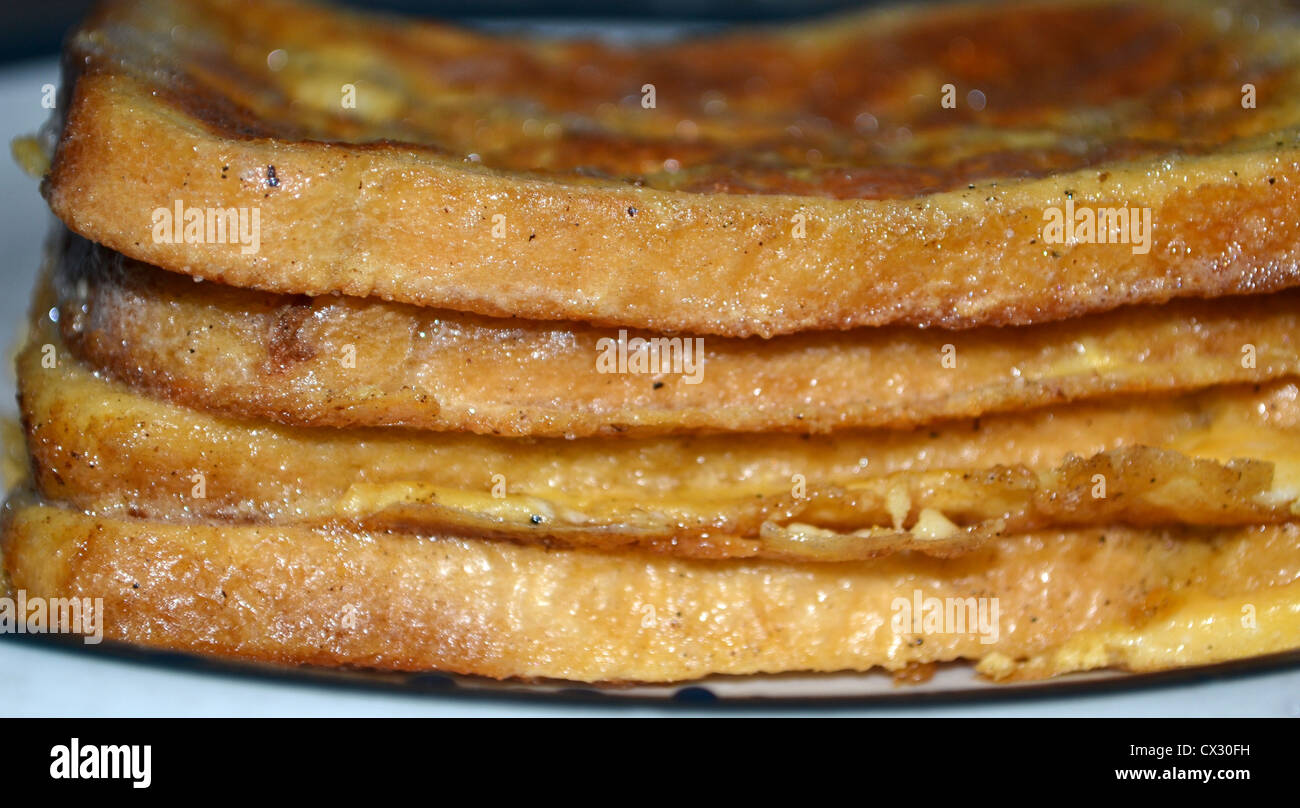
[40, 679]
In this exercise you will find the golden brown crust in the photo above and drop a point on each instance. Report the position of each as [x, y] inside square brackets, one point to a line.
[1135, 105]
[338, 361]
[1141, 600]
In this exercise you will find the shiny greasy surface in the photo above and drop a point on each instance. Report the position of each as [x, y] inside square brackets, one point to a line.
[1139, 600]
[341, 361]
[854, 495]
[784, 180]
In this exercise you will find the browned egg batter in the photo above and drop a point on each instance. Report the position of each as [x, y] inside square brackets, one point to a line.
[840, 110]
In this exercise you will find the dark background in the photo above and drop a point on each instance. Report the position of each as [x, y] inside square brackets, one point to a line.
[32, 29]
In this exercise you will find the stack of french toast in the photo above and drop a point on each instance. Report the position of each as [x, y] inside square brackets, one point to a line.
[916, 336]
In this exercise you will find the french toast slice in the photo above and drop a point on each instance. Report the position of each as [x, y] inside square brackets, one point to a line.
[1033, 606]
[756, 182]
[339, 361]
[1226, 456]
